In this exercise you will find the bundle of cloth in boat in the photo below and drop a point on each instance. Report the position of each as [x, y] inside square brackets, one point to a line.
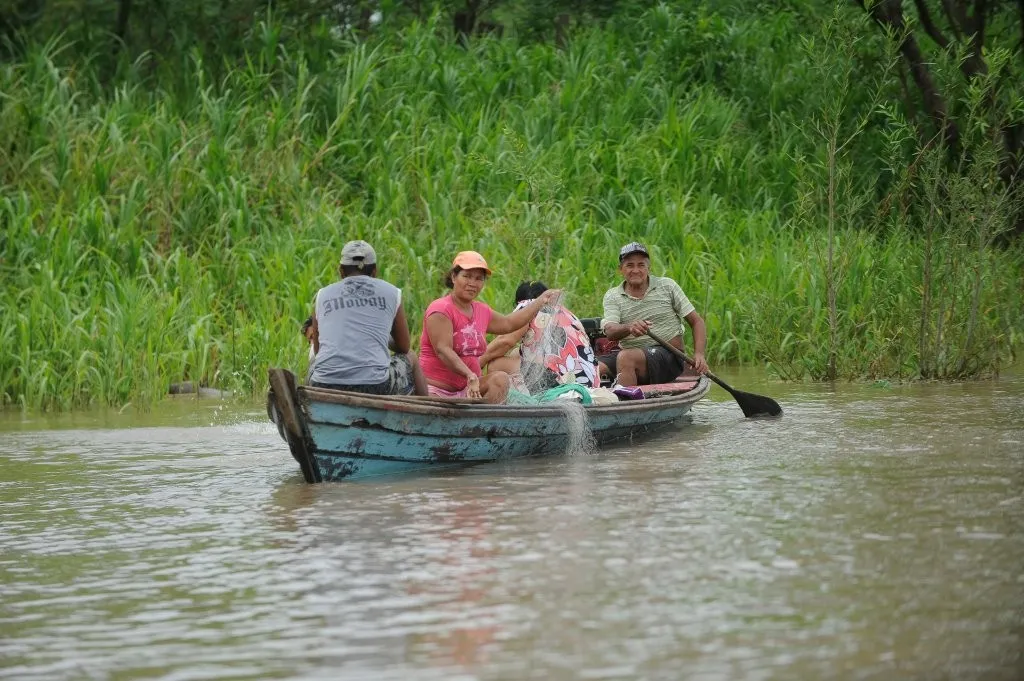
[575, 390]
[603, 396]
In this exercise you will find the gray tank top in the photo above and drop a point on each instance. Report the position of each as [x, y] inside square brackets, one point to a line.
[355, 316]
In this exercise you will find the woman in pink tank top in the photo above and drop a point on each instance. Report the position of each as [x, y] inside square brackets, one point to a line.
[455, 328]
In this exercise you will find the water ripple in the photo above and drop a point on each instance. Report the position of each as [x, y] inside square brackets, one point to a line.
[868, 534]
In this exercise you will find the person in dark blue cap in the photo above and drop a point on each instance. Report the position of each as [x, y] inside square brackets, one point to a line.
[645, 302]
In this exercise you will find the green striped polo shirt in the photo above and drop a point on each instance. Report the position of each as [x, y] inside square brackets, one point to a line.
[664, 305]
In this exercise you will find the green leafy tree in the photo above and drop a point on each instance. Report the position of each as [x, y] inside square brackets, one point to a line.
[948, 47]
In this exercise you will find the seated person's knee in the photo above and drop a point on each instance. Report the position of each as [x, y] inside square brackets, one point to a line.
[633, 359]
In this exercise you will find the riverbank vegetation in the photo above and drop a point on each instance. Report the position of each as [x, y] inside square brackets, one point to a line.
[169, 214]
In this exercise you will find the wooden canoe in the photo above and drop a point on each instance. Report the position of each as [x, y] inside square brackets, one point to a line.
[339, 435]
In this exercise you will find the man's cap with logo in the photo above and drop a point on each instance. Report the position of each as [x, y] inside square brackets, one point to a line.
[471, 260]
[358, 253]
[631, 248]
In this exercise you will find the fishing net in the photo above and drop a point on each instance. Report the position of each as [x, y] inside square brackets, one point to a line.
[540, 386]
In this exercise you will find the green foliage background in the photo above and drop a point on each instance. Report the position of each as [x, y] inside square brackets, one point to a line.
[169, 216]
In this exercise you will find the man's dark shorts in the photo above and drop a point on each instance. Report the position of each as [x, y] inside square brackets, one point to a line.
[662, 365]
[398, 382]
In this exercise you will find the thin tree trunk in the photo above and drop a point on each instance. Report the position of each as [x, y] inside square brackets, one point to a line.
[926, 294]
[908, 98]
[561, 30]
[975, 63]
[830, 275]
[124, 12]
[1020, 9]
[972, 319]
[929, 25]
[889, 15]
[947, 7]
[465, 20]
[950, 294]
[958, 13]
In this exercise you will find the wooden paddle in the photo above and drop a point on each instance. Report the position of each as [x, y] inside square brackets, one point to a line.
[751, 404]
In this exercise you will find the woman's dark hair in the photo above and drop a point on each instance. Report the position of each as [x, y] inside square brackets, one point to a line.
[449, 276]
[528, 290]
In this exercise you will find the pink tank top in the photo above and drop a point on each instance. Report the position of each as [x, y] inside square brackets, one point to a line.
[469, 340]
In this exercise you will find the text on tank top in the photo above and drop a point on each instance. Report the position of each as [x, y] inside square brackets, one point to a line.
[355, 317]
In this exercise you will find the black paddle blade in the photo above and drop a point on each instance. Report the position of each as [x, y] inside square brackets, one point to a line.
[751, 404]
[756, 405]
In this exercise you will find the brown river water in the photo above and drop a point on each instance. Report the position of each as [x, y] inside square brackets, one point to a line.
[873, 532]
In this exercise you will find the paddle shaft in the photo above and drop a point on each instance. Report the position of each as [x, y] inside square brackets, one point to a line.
[682, 355]
[751, 404]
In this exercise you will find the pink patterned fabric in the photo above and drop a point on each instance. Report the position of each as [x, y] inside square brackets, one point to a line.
[557, 341]
[469, 340]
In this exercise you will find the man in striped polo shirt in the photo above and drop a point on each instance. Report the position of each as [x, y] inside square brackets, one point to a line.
[643, 302]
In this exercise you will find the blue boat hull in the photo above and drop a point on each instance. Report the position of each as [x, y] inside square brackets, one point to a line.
[337, 435]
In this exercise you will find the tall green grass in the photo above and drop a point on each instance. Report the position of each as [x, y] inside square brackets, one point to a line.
[177, 224]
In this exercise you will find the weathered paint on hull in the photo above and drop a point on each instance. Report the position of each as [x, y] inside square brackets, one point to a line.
[336, 435]
[349, 430]
[335, 467]
[351, 442]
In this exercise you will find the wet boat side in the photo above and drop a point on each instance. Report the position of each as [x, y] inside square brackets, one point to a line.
[341, 435]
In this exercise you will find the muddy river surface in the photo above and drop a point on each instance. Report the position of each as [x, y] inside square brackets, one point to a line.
[874, 532]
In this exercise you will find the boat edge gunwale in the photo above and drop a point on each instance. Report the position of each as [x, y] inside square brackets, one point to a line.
[435, 407]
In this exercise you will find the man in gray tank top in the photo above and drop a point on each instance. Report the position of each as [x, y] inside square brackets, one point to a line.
[356, 321]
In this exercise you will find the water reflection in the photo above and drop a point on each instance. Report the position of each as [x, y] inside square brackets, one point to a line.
[460, 531]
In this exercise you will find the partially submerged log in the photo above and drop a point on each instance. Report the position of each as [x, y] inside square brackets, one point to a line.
[190, 388]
